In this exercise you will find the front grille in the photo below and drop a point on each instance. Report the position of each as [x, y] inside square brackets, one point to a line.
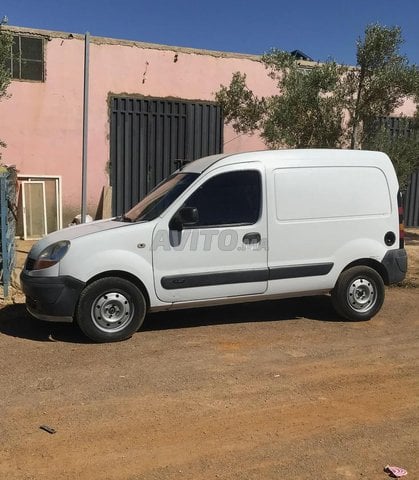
[30, 263]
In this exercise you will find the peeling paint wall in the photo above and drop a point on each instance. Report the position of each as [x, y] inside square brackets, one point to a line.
[42, 122]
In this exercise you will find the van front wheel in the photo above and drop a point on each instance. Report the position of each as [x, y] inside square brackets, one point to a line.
[110, 309]
[358, 293]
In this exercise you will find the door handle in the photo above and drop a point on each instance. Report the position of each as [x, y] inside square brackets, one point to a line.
[251, 238]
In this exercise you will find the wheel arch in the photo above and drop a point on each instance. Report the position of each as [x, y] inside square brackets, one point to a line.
[374, 264]
[126, 276]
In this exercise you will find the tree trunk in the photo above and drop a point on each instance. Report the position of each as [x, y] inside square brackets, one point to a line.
[355, 134]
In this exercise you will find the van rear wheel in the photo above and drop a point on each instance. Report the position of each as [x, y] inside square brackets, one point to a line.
[358, 293]
[110, 309]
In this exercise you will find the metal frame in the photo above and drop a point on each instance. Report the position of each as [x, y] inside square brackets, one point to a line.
[411, 199]
[149, 135]
[58, 192]
[34, 182]
[7, 229]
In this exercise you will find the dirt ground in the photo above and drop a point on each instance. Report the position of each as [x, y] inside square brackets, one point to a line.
[274, 390]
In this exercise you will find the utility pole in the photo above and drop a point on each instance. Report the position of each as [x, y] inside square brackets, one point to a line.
[85, 126]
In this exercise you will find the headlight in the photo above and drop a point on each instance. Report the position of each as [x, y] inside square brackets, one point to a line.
[51, 255]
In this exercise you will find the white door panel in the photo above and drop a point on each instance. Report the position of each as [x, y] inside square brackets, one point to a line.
[215, 261]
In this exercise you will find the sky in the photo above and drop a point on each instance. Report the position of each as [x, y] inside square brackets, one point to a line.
[322, 29]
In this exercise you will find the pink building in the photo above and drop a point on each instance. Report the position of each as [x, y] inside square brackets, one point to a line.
[152, 98]
[148, 106]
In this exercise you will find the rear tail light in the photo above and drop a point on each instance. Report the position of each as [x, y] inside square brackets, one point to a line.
[401, 219]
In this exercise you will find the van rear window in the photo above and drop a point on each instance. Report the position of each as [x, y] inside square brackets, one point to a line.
[306, 193]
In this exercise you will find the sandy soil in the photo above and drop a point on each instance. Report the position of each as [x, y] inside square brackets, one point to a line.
[262, 391]
[412, 247]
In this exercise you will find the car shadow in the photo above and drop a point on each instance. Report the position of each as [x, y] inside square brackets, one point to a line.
[15, 321]
[317, 308]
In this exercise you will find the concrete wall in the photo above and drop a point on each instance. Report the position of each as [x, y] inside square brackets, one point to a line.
[42, 121]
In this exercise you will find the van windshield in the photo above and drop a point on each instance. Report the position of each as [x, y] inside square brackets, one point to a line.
[156, 202]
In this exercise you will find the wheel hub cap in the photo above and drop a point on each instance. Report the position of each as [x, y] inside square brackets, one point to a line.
[362, 295]
[111, 312]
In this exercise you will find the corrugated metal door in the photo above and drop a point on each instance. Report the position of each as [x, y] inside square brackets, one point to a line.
[411, 199]
[147, 137]
[404, 127]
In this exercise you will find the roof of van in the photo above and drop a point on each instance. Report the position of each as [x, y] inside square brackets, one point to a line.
[272, 156]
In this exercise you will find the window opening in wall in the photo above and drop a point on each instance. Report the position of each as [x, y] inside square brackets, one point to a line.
[34, 210]
[27, 60]
[31, 220]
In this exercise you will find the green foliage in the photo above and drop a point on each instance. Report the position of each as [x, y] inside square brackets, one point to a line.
[381, 81]
[5, 50]
[403, 149]
[309, 112]
[241, 107]
[328, 105]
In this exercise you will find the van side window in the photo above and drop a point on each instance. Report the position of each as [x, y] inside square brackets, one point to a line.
[228, 199]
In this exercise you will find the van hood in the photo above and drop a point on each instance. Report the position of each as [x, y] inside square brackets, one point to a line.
[71, 233]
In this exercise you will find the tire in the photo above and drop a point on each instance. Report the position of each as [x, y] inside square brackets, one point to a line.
[358, 293]
[110, 309]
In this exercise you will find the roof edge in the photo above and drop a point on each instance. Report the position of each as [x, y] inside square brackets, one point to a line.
[132, 43]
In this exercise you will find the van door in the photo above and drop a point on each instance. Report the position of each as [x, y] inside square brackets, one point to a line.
[221, 250]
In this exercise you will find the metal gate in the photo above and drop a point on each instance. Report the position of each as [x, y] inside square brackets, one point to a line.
[404, 127]
[149, 135]
[411, 202]
[7, 226]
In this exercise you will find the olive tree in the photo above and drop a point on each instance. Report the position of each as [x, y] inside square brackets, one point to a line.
[402, 147]
[308, 111]
[381, 81]
[324, 104]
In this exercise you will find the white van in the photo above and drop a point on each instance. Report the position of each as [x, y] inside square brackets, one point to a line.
[229, 228]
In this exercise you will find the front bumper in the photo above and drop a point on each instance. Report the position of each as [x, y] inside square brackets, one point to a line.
[51, 298]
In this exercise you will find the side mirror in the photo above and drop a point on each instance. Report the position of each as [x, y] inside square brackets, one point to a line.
[184, 217]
